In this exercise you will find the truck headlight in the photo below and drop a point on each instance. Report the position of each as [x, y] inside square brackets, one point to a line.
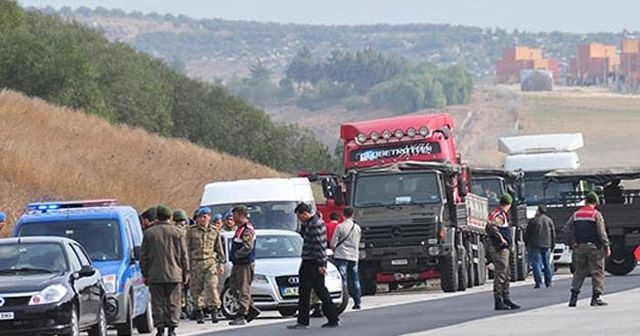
[434, 250]
[109, 281]
[260, 279]
[51, 294]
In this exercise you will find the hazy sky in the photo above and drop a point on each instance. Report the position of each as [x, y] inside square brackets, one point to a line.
[531, 15]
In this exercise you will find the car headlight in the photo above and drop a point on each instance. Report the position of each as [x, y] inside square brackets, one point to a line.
[260, 279]
[109, 283]
[334, 275]
[51, 294]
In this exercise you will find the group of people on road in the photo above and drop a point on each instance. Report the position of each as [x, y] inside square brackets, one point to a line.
[179, 254]
[585, 233]
[190, 254]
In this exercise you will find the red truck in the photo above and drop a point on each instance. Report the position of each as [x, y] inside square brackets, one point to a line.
[411, 193]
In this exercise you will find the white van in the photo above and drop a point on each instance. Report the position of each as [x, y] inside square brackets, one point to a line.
[271, 201]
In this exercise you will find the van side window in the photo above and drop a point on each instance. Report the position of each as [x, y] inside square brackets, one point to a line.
[74, 261]
[84, 260]
[134, 225]
[130, 238]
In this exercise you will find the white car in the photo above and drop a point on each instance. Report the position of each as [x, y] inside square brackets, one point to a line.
[275, 284]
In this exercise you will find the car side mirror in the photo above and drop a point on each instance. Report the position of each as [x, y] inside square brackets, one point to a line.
[86, 271]
[136, 253]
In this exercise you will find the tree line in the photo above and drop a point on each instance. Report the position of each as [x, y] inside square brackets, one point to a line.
[72, 65]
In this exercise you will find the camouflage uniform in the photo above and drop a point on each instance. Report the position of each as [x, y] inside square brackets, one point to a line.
[206, 254]
[586, 233]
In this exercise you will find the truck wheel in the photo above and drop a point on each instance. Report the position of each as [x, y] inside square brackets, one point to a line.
[463, 273]
[621, 264]
[481, 270]
[513, 264]
[368, 280]
[449, 272]
[523, 265]
[472, 268]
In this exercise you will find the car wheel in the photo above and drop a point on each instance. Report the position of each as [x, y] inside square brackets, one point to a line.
[287, 311]
[229, 303]
[144, 322]
[126, 328]
[74, 324]
[100, 329]
[345, 299]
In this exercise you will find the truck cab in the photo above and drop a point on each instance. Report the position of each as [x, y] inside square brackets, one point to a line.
[271, 201]
[538, 155]
[112, 236]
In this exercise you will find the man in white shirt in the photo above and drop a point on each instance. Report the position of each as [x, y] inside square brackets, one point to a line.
[346, 251]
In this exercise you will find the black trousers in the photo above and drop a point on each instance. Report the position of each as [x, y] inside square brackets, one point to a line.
[310, 279]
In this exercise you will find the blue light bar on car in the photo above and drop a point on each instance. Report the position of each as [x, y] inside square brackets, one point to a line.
[47, 206]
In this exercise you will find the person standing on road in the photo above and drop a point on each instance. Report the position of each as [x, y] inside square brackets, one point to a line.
[180, 219]
[207, 258]
[3, 220]
[586, 234]
[243, 256]
[499, 234]
[346, 247]
[216, 220]
[148, 218]
[540, 238]
[313, 268]
[165, 266]
[229, 223]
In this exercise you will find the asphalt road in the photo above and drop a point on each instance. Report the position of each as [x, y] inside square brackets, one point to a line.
[427, 315]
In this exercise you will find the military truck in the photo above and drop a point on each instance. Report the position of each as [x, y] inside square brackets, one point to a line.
[492, 183]
[620, 206]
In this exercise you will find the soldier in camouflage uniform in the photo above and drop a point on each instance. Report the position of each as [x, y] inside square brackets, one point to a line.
[207, 262]
[586, 234]
[181, 220]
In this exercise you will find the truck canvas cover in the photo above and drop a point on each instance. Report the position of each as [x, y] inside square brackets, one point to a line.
[541, 143]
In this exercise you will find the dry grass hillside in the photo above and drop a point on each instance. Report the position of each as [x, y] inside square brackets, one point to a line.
[48, 152]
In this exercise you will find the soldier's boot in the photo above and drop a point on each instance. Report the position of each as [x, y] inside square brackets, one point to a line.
[499, 304]
[214, 315]
[160, 331]
[172, 331]
[597, 301]
[509, 303]
[199, 316]
[573, 301]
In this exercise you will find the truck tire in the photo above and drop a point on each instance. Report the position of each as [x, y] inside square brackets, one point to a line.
[621, 263]
[449, 272]
[513, 264]
[481, 270]
[463, 269]
[368, 282]
[472, 268]
[523, 265]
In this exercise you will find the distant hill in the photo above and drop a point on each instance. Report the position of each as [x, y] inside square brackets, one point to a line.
[52, 153]
[216, 48]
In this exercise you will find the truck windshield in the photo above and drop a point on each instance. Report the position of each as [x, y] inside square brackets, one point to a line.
[489, 188]
[536, 194]
[100, 238]
[396, 189]
[267, 215]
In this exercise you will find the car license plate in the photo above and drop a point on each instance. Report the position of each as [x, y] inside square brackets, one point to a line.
[289, 291]
[399, 262]
[6, 316]
[382, 287]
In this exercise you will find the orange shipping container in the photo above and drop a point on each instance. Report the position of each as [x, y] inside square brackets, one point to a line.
[630, 46]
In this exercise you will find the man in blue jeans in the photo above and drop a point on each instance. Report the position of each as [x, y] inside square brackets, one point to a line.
[540, 239]
[345, 244]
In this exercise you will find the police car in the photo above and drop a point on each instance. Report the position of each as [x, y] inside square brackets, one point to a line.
[112, 236]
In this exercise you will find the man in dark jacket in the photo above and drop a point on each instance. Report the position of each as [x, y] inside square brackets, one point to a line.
[499, 234]
[540, 238]
[243, 256]
[165, 266]
[313, 269]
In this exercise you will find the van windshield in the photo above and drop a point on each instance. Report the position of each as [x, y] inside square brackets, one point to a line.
[267, 215]
[100, 238]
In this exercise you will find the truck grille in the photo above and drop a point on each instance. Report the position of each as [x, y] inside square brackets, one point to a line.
[418, 231]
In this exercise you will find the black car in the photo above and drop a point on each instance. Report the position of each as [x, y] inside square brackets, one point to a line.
[49, 287]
